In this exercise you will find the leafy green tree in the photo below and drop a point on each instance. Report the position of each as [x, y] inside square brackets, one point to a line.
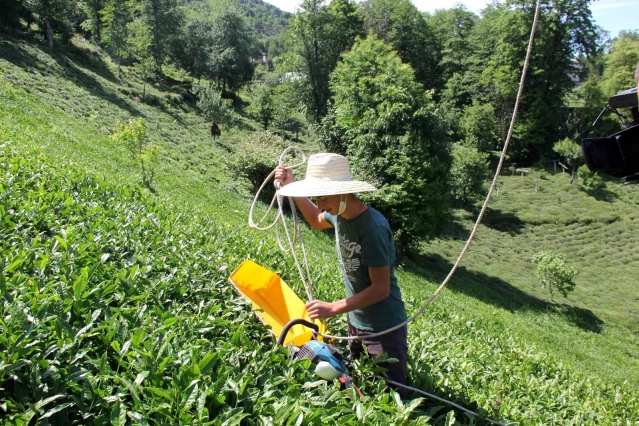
[233, 45]
[53, 16]
[195, 47]
[318, 35]
[164, 20]
[399, 23]
[571, 153]
[452, 29]
[554, 273]
[620, 64]
[468, 171]
[499, 42]
[116, 17]
[93, 11]
[133, 137]
[394, 136]
[215, 108]
[479, 128]
[262, 105]
[141, 46]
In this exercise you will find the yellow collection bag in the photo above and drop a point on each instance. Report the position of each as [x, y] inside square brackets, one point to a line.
[274, 302]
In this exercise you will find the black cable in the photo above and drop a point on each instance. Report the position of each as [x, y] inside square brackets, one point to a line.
[437, 398]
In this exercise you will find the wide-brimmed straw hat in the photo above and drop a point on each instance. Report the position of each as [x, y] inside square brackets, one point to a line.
[326, 174]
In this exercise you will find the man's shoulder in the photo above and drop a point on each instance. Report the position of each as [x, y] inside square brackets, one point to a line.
[377, 219]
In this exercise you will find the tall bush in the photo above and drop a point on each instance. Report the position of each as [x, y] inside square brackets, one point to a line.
[395, 138]
[467, 173]
[133, 137]
[214, 106]
[554, 273]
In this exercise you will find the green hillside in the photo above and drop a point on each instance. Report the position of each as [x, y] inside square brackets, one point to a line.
[116, 306]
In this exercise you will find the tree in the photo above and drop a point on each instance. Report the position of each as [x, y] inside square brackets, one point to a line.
[262, 103]
[93, 10]
[116, 17]
[571, 153]
[53, 17]
[620, 64]
[468, 171]
[195, 47]
[452, 29]
[394, 136]
[554, 273]
[499, 42]
[232, 47]
[141, 46]
[400, 24]
[479, 128]
[215, 108]
[164, 21]
[317, 37]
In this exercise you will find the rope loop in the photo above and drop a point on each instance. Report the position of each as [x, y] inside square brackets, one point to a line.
[280, 219]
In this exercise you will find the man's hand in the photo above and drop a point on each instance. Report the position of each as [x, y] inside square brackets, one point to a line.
[284, 174]
[320, 309]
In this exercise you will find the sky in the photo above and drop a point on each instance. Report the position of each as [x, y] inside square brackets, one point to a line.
[612, 15]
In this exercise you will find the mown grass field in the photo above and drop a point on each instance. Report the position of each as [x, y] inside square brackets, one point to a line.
[116, 307]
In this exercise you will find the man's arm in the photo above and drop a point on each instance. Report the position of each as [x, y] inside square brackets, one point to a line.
[376, 292]
[313, 215]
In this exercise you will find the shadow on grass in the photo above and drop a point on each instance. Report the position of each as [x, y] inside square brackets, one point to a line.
[76, 65]
[497, 292]
[601, 194]
[503, 222]
[81, 77]
[451, 229]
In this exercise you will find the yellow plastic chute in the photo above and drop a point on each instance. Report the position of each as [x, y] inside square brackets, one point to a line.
[274, 303]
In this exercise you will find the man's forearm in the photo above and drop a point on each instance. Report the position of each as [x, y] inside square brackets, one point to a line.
[361, 300]
[309, 211]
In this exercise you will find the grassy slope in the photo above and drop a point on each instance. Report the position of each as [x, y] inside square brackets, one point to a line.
[73, 102]
[594, 328]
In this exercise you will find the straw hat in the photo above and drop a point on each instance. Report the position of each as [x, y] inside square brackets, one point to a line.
[326, 174]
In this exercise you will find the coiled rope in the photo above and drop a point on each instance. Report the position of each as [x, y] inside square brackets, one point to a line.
[280, 220]
[470, 238]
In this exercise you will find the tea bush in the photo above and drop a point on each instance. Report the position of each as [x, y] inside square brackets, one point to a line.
[117, 309]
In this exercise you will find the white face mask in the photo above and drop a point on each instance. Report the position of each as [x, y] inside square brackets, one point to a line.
[342, 204]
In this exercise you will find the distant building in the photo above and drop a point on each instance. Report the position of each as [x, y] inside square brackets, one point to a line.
[263, 59]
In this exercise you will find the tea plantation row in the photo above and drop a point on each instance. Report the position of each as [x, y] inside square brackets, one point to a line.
[116, 309]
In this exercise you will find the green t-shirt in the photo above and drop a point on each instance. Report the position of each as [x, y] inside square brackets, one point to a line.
[367, 241]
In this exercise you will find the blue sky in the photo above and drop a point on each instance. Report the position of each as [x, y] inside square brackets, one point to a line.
[612, 15]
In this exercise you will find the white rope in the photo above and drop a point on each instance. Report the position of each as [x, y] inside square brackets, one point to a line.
[280, 220]
[483, 209]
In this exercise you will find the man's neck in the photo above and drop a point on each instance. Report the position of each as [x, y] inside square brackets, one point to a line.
[354, 207]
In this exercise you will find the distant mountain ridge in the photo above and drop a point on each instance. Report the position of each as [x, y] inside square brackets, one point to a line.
[267, 20]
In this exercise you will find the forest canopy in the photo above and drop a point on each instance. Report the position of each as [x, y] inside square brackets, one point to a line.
[392, 88]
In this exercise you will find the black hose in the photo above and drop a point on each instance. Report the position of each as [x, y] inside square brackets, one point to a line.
[437, 398]
[296, 321]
